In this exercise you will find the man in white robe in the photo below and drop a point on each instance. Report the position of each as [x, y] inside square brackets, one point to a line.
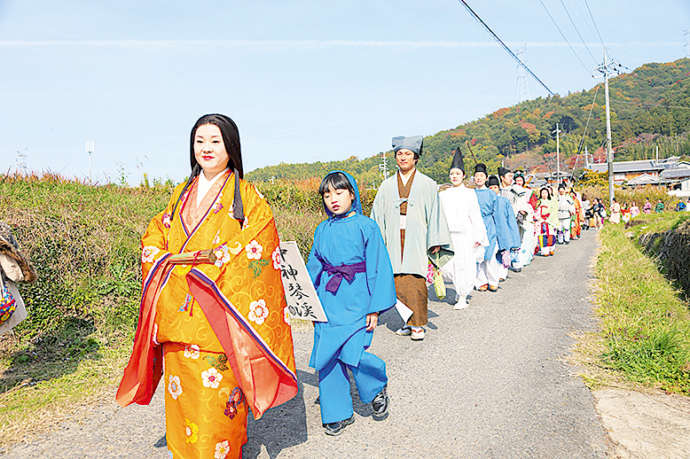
[467, 232]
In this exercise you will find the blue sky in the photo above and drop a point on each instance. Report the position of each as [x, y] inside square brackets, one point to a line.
[304, 80]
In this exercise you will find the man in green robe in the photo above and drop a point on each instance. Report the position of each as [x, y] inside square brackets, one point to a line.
[408, 211]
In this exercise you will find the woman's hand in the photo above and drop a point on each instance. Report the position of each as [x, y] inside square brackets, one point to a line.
[372, 320]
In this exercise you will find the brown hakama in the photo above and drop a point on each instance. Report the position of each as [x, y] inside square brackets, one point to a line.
[411, 288]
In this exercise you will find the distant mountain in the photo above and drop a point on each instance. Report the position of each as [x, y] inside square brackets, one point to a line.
[650, 106]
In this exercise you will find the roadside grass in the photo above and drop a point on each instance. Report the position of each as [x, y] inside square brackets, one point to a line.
[645, 325]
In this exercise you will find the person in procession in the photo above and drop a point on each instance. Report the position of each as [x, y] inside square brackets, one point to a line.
[647, 208]
[625, 213]
[408, 211]
[353, 276]
[213, 313]
[488, 273]
[659, 207]
[634, 210]
[577, 217]
[547, 214]
[599, 212]
[566, 208]
[467, 232]
[507, 233]
[519, 196]
[615, 216]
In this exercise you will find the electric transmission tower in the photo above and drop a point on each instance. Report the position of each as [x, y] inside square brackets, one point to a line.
[686, 42]
[21, 162]
[521, 76]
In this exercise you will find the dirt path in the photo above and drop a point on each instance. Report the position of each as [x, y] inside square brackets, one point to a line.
[489, 381]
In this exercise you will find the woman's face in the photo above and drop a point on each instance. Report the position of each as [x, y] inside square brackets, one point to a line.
[456, 176]
[544, 194]
[520, 181]
[209, 149]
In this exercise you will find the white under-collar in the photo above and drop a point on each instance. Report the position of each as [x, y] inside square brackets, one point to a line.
[204, 184]
[406, 179]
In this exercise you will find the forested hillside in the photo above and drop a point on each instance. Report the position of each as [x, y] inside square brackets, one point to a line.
[650, 106]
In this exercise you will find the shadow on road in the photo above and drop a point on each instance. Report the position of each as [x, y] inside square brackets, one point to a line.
[281, 427]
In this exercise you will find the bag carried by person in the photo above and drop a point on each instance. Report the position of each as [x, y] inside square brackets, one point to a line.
[439, 284]
[561, 236]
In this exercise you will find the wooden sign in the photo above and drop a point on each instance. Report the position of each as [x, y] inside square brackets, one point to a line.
[302, 300]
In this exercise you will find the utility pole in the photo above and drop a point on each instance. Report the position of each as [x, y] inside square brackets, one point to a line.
[657, 154]
[686, 42]
[606, 69]
[383, 167]
[558, 154]
[586, 158]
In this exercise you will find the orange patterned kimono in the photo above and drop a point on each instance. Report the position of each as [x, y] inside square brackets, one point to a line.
[222, 329]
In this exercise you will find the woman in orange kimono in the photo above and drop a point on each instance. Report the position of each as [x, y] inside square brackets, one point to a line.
[213, 311]
[576, 228]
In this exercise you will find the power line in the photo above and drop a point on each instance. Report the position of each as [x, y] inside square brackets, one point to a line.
[594, 99]
[595, 24]
[508, 50]
[578, 32]
[564, 37]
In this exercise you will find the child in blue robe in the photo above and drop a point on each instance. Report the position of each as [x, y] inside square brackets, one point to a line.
[351, 270]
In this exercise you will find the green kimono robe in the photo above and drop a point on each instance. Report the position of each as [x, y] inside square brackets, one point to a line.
[426, 225]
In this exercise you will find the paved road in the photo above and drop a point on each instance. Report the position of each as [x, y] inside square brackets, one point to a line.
[488, 381]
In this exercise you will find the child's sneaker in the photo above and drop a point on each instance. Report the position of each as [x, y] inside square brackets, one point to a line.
[403, 331]
[336, 428]
[380, 405]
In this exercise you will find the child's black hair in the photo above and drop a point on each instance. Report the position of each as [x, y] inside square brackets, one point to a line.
[337, 181]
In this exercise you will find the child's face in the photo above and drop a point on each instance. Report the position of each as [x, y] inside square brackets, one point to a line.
[338, 202]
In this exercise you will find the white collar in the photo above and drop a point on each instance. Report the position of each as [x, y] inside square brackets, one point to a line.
[405, 179]
[204, 184]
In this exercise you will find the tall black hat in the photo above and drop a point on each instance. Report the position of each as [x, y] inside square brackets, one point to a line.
[480, 167]
[493, 181]
[458, 162]
[502, 171]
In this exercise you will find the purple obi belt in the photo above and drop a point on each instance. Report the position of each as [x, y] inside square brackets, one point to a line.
[338, 273]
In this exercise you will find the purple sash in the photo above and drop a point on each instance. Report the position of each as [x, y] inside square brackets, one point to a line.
[339, 272]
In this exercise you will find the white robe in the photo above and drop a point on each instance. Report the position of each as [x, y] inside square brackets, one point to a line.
[466, 227]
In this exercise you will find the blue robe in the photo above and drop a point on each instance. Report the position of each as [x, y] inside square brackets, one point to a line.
[507, 232]
[487, 205]
[341, 342]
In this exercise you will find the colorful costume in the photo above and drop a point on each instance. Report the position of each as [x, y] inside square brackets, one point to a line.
[222, 329]
[547, 213]
[353, 276]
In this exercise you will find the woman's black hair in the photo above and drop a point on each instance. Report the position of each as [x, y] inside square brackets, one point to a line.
[337, 181]
[547, 192]
[231, 140]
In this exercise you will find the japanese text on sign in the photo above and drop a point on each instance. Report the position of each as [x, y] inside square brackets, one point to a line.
[302, 301]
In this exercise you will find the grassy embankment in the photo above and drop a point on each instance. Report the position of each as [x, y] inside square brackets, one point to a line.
[83, 241]
[645, 323]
